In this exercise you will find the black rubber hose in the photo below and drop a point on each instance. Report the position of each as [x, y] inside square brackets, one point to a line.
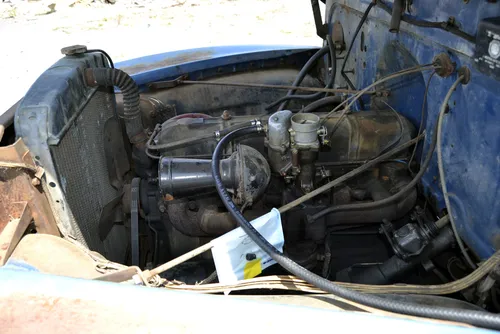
[326, 101]
[376, 204]
[395, 267]
[482, 319]
[332, 62]
[306, 97]
[329, 48]
[110, 77]
[397, 12]
[376, 215]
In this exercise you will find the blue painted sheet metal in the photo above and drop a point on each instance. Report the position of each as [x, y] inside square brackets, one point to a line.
[173, 64]
[471, 151]
[131, 308]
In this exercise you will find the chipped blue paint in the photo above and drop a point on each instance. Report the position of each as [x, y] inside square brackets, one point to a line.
[471, 142]
[199, 62]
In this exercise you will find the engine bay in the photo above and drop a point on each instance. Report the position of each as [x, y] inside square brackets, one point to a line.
[144, 170]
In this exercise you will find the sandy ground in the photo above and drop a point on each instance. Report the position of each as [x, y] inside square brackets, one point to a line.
[33, 32]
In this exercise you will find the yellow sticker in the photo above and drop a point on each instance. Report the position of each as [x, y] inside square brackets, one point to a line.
[252, 269]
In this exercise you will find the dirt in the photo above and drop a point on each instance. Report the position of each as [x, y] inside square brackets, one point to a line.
[33, 32]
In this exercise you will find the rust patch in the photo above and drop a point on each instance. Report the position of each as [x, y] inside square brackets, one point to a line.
[20, 200]
[168, 197]
[181, 58]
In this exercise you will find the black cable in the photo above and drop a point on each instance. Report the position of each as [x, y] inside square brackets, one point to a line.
[478, 318]
[105, 54]
[446, 26]
[332, 62]
[422, 115]
[307, 97]
[358, 28]
[322, 103]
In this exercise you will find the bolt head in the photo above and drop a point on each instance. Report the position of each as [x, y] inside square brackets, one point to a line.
[192, 206]
[226, 115]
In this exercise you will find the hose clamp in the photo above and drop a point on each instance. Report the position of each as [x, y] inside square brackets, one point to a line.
[258, 124]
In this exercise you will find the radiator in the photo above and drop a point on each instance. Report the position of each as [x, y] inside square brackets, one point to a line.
[63, 123]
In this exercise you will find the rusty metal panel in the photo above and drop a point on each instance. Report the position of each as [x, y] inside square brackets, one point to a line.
[13, 231]
[21, 198]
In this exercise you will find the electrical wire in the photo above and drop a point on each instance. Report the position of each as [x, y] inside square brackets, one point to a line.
[401, 130]
[358, 28]
[446, 26]
[151, 155]
[296, 284]
[351, 100]
[111, 64]
[482, 319]
[442, 178]
[422, 116]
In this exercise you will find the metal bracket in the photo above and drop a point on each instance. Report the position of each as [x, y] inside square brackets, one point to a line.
[321, 28]
[168, 84]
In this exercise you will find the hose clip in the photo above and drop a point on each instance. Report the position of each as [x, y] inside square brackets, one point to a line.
[258, 124]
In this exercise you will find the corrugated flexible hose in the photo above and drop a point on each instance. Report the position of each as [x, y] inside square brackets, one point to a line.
[111, 77]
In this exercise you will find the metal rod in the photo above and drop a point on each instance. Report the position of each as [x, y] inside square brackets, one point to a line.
[168, 84]
[349, 175]
[183, 258]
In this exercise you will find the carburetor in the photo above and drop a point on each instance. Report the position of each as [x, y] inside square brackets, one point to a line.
[293, 142]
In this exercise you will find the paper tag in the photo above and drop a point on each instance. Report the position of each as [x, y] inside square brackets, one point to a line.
[237, 257]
